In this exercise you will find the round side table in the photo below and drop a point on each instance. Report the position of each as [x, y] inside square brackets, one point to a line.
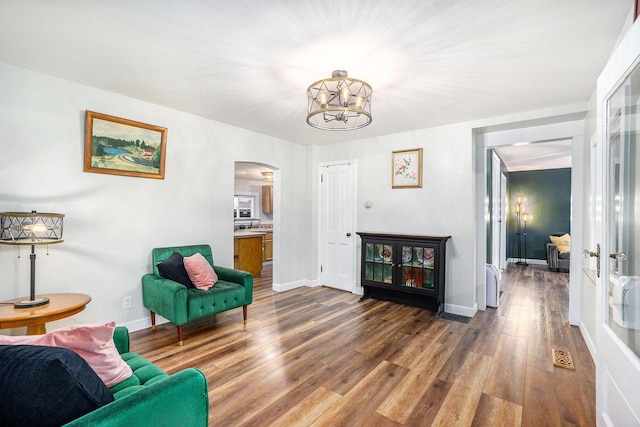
[34, 318]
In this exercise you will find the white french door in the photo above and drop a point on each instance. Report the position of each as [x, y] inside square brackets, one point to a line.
[618, 232]
[337, 226]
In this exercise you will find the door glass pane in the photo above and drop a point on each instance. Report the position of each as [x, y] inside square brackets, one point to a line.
[623, 212]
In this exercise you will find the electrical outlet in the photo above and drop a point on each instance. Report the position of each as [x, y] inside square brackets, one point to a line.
[127, 303]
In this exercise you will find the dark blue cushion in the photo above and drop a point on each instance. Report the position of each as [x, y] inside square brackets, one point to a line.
[172, 268]
[47, 386]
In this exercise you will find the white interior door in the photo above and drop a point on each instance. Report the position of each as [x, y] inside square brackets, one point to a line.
[618, 231]
[337, 226]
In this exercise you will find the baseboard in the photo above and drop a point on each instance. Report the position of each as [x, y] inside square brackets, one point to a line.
[282, 287]
[144, 323]
[461, 310]
[528, 261]
[587, 339]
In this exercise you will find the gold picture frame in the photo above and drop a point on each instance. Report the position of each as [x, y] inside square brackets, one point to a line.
[117, 146]
[406, 168]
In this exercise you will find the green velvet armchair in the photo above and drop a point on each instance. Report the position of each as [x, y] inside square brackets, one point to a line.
[180, 305]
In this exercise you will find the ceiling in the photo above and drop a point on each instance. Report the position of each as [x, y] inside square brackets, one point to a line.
[252, 171]
[248, 63]
[536, 156]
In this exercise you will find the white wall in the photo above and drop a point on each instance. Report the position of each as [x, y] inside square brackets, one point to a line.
[113, 222]
[443, 206]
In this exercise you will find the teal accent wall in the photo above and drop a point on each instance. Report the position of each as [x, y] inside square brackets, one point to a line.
[547, 199]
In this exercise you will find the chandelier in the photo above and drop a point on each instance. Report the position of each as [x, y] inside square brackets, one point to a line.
[339, 103]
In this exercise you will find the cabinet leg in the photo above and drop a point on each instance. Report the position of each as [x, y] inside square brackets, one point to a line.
[365, 296]
[440, 312]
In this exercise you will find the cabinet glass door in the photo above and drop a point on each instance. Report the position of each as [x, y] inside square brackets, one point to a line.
[418, 266]
[378, 263]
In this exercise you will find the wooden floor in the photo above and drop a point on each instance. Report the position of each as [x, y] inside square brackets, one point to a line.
[318, 357]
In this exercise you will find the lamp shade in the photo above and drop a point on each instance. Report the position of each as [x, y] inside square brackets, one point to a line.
[31, 228]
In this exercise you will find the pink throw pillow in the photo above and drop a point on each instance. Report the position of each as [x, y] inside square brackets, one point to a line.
[94, 343]
[200, 271]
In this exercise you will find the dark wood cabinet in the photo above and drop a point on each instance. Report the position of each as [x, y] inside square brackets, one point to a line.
[404, 268]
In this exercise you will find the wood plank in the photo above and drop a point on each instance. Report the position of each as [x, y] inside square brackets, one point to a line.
[402, 400]
[572, 410]
[506, 377]
[363, 399]
[540, 406]
[495, 412]
[418, 344]
[430, 403]
[453, 366]
[309, 406]
[459, 407]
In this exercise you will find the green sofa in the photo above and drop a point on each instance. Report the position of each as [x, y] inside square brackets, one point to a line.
[180, 305]
[151, 397]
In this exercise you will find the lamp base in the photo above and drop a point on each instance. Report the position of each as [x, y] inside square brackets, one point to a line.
[27, 303]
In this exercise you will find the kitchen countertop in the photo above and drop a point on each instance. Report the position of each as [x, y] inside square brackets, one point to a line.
[255, 232]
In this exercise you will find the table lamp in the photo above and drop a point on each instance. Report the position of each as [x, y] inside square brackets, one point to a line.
[23, 228]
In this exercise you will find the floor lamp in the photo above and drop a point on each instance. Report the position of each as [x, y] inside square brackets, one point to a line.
[525, 218]
[22, 228]
[519, 215]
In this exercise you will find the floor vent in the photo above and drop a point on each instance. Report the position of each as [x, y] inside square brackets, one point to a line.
[562, 359]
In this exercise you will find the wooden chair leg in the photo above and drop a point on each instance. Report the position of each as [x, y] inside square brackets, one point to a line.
[180, 336]
[153, 320]
[244, 313]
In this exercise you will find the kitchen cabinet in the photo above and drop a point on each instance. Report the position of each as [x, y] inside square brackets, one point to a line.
[267, 246]
[247, 253]
[407, 269]
[267, 199]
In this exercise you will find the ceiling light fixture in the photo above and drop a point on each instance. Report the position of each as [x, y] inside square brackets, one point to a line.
[339, 103]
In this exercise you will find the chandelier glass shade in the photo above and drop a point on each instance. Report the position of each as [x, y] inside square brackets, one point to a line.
[339, 103]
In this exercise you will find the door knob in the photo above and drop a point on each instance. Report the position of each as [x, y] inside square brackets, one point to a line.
[620, 256]
[348, 234]
[586, 254]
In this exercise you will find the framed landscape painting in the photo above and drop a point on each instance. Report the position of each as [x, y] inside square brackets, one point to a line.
[117, 146]
[406, 168]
